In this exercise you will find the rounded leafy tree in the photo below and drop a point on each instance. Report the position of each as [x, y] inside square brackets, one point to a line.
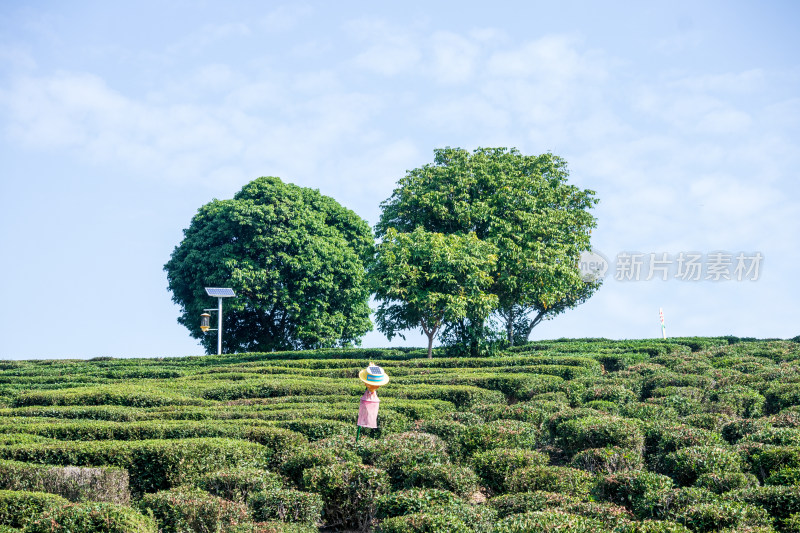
[296, 260]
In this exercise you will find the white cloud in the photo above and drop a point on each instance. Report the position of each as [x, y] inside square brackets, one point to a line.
[285, 17]
[453, 58]
[553, 57]
[389, 50]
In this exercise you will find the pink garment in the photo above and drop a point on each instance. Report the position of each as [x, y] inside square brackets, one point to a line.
[368, 410]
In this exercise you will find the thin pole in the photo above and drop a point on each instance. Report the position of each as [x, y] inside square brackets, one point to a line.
[219, 327]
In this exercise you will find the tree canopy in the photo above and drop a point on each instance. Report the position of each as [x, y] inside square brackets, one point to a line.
[536, 223]
[296, 260]
[424, 280]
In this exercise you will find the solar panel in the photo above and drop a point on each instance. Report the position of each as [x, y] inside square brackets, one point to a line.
[219, 292]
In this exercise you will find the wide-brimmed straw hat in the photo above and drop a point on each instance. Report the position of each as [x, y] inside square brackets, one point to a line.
[373, 375]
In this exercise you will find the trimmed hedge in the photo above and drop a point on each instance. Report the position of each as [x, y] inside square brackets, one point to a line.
[607, 460]
[552, 479]
[398, 454]
[723, 514]
[410, 501]
[18, 508]
[72, 482]
[152, 464]
[687, 464]
[91, 517]
[286, 505]
[779, 501]
[598, 432]
[499, 434]
[639, 491]
[547, 521]
[721, 482]
[237, 484]
[191, 509]
[349, 492]
[494, 466]
[458, 479]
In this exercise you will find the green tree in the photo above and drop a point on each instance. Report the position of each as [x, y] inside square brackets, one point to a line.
[296, 259]
[425, 280]
[523, 206]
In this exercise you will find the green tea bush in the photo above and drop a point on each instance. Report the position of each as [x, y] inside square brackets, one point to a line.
[494, 466]
[185, 509]
[499, 434]
[709, 421]
[779, 501]
[785, 436]
[547, 521]
[648, 411]
[410, 501]
[670, 379]
[431, 521]
[598, 432]
[639, 491]
[620, 361]
[349, 492]
[603, 406]
[720, 482]
[301, 459]
[450, 431]
[616, 394]
[780, 396]
[418, 409]
[662, 438]
[132, 396]
[784, 476]
[533, 412]
[397, 454]
[152, 464]
[552, 479]
[557, 419]
[91, 517]
[736, 430]
[739, 400]
[682, 405]
[72, 482]
[723, 514]
[523, 502]
[789, 417]
[346, 449]
[17, 508]
[652, 526]
[456, 516]
[286, 505]
[236, 484]
[767, 460]
[461, 396]
[687, 464]
[460, 480]
[607, 460]
[316, 429]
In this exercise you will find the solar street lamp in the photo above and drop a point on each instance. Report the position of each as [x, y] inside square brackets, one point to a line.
[205, 318]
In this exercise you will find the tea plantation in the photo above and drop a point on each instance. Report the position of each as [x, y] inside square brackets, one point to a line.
[694, 434]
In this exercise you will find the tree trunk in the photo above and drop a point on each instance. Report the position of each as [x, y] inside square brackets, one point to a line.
[535, 322]
[430, 333]
[510, 327]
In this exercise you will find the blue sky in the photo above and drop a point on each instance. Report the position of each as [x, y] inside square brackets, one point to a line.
[117, 122]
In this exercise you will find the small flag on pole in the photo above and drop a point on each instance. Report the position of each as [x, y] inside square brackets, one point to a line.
[663, 327]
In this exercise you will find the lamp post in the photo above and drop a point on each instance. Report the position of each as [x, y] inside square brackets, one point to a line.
[205, 318]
